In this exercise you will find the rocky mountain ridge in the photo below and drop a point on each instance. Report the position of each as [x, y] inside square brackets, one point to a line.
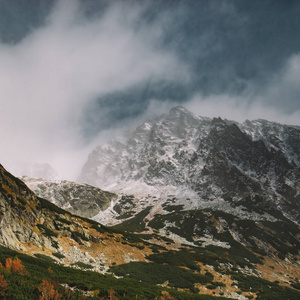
[204, 163]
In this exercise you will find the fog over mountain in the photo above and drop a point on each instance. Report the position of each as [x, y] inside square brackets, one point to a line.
[75, 73]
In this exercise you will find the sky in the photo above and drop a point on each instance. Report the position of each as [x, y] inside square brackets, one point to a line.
[74, 74]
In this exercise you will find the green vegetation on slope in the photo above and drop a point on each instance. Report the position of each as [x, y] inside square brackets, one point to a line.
[154, 273]
[265, 289]
[26, 286]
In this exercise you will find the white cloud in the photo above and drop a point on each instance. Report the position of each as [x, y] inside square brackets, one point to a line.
[48, 78]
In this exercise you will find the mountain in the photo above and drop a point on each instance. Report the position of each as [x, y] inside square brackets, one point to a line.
[208, 183]
[205, 206]
[245, 169]
[48, 239]
[80, 199]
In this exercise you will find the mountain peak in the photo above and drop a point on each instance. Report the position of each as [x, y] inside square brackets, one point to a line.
[212, 159]
[178, 109]
[181, 112]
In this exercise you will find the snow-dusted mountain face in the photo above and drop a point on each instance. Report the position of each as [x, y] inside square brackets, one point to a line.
[250, 170]
[80, 199]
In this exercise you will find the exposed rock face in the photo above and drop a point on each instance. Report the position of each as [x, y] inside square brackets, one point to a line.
[80, 199]
[155, 153]
[216, 160]
[205, 182]
[35, 225]
[18, 211]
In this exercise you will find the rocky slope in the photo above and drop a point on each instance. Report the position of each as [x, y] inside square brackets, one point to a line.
[80, 199]
[200, 251]
[36, 226]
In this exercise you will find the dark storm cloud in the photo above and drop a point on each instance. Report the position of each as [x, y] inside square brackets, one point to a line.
[236, 48]
[234, 44]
